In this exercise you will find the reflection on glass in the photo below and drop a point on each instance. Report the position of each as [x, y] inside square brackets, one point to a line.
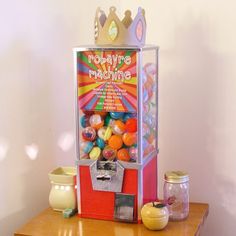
[149, 108]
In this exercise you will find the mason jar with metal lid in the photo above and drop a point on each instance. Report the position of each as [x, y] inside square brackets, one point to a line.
[176, 194]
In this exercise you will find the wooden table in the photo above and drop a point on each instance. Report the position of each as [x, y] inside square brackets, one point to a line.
[50, 223]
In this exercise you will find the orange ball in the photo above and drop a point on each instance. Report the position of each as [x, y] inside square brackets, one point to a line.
[115, 142]
[98, 126]
[123, 155]
[96, 121]
[101, 113]
[118, 127]
[131, 125]
[129, 139]
[151, 137]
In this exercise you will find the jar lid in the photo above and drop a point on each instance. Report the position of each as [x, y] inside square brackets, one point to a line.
[176, 176]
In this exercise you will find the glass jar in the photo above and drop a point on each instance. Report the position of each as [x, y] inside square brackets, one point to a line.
[176, 194]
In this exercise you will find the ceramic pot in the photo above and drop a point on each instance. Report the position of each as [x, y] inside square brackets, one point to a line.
[63, 192]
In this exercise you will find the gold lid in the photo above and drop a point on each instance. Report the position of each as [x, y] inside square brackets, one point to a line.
[176, 177]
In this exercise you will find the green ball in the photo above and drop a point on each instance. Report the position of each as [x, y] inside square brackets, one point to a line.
[107, 120]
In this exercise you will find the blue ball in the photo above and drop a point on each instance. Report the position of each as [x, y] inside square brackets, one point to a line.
[84, 121]
[100, 142]
[117, 115]
[145, 95]
[87, 147]
[129, 115]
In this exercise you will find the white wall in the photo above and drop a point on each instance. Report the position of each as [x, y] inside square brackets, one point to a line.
[36, 99]
[36, 102]
[197, 98]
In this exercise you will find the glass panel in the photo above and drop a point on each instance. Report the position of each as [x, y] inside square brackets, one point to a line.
[107, 105]
[149, 81]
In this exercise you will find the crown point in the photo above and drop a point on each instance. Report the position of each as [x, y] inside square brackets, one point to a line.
[110, 30]
[143, 11]
[98, 10]
[128, 13]
[127, 19]
[112, 9]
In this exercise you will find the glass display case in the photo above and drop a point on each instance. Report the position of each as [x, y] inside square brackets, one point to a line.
[117, 134]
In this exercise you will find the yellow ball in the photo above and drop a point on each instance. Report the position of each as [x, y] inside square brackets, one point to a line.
[95, 153]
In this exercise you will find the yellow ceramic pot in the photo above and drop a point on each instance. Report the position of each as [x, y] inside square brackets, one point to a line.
[155, 215]
[63, 192]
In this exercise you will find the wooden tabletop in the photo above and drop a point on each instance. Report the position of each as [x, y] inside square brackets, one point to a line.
[50, 223]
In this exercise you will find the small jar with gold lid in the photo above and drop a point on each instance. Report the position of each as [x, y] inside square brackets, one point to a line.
[176, 194]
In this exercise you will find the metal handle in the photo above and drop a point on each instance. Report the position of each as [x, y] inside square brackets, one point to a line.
[104, 177]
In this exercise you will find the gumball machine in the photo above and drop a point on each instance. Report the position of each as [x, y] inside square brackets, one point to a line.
[116, 115]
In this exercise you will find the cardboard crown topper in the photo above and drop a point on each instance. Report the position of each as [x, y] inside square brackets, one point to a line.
[110, 30]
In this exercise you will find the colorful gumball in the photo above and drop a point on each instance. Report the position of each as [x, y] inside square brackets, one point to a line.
[145, 95]
[116, 115]
[115, 142]
[150, 93]
[109, 153]
[146, 130]
[105, 133]
[101, 113]
[131, 125]
[146, 120]
[150, 69]
[101, 132]
[133, 152]
[89, 113]
[118, 127]
[100, 143]
[123, 155]
[149, 83]
[144, 76]
[150, 121]
[129, 139]
[89, 133]
[146, 107]
[84, 121]
[95, 153]
[147, 147]
[129, 115]
[151, 137]
[84, 156]
[108, 133]
[96, 121]
[108, 121]
[145, 143]
[86, 147]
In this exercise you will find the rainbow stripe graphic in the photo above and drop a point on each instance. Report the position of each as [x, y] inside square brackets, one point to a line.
[107, 80]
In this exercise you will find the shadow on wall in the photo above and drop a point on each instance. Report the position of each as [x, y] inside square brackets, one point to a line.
[192, 74]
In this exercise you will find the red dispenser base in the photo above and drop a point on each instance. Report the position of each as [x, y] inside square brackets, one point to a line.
[100, 204]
